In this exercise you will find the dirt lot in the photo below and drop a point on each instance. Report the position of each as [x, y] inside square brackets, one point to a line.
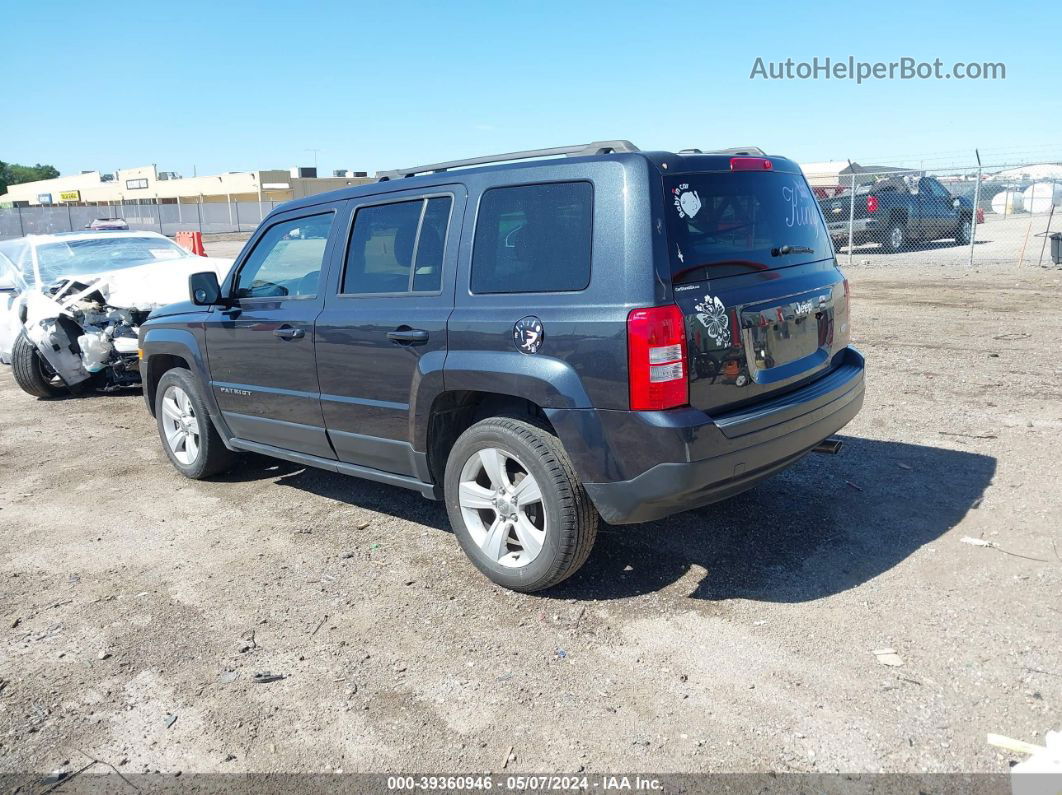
[738, 637]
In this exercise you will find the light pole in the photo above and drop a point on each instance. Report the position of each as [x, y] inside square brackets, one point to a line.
[315, 151]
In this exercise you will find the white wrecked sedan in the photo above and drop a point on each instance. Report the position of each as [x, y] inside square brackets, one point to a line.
[71, 305]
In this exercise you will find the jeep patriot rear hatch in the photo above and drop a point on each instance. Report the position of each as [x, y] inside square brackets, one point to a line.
[763, 307]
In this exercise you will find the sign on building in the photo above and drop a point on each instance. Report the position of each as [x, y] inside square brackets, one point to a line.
[70, 196]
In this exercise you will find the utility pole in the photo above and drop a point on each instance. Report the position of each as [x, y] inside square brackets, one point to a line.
[315, 151]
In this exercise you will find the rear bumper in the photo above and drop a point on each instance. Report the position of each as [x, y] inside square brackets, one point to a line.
[861, 228]
[707, 460]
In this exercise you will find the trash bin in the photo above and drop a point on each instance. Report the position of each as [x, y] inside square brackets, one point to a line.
[1056, 248]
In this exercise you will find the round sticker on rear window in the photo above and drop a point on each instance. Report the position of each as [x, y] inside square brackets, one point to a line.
[687, 202]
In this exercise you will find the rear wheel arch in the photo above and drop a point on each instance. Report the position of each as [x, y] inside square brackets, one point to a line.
[454, 412]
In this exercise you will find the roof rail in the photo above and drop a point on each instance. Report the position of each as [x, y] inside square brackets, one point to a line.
[579, 150]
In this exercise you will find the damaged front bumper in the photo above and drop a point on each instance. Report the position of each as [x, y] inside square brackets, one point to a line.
[81, 336]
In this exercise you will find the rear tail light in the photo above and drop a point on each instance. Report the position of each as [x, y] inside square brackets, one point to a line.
[750, 164]
[872, 204]
[656, 358]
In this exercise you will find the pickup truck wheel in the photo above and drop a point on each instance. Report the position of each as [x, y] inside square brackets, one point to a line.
[32, 373]
[964, 232]
[188, 436]
[516, 505]
[895, 237]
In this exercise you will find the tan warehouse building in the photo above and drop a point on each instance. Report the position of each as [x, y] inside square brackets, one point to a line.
[147, 185]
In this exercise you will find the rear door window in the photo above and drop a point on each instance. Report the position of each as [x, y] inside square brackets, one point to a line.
[397, 247]
[720, 223]
[533, 239]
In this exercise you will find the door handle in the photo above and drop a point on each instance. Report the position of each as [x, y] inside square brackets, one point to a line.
[289, 333]
[404, 335]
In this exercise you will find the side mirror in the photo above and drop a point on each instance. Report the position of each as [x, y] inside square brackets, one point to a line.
[203, 288]
[7, 283]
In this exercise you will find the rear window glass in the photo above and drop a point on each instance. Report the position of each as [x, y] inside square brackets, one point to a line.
[724, 223]
[533, 239]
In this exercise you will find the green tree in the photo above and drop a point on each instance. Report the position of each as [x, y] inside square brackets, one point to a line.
[14, 174]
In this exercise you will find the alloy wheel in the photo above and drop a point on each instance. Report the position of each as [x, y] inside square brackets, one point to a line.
[501, 504]
[181, 425]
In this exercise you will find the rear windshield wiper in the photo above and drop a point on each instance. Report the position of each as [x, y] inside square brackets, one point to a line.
[782, 251]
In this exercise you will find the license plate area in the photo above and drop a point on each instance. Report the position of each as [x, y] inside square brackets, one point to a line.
[783, 340]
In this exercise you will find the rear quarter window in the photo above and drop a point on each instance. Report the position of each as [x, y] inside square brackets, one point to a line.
[533, 239]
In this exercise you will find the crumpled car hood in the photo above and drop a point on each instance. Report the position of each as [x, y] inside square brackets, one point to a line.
[86, 325]
[154, 284]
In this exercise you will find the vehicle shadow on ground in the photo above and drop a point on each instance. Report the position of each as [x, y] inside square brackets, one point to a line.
[353, 491]
[85, 394]
[802, 535]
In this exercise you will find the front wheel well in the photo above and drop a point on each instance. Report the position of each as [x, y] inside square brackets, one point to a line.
[452, 413]
[157, 366]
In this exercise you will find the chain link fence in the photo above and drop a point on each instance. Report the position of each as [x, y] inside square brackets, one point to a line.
[958, 216]
[208, 217]
[961, 216]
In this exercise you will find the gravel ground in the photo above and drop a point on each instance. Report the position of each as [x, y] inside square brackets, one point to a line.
[137, 606]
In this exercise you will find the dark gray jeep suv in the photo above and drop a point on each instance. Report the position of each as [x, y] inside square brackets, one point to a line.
[592, 331]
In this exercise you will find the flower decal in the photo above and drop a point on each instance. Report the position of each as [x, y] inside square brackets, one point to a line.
[715, 320]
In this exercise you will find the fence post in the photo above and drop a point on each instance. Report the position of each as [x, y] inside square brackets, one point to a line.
[69, 217]
[1047, 232]
[851, 220]
[973, 218]
[237, 215]
[21, 229]
[158, 210]
[199, 213]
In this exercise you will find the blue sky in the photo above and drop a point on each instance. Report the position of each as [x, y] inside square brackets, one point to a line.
[237, 85]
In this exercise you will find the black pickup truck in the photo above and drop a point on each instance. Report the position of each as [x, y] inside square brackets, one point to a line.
[896, 212]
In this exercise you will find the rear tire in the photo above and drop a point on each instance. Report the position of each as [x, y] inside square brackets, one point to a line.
[188, 436]
[516, 505]
[894, 238]
[32, 373]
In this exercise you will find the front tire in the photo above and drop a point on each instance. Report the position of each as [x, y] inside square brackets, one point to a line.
[516, 505]
[188, 436]
[965, 231]
[32, 373]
